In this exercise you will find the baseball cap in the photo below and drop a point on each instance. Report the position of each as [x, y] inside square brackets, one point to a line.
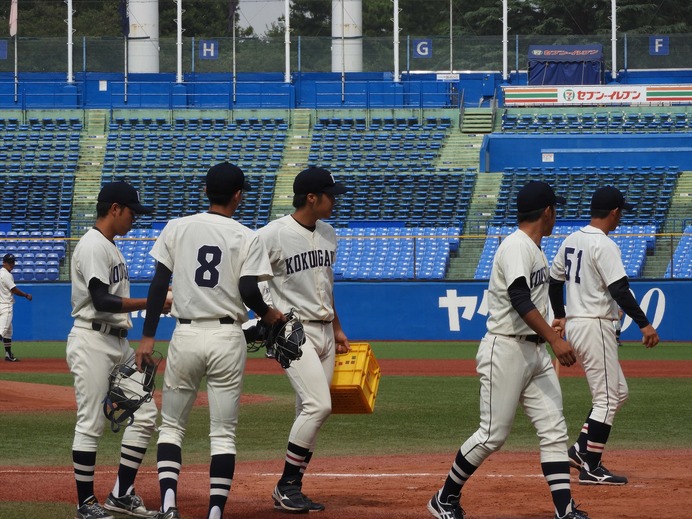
[8, 258]
[124, 194]
[225, 179]
[609, 198]
[317, 180]
[537, 195]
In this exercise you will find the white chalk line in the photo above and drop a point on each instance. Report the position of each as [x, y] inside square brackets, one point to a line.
[344, 475]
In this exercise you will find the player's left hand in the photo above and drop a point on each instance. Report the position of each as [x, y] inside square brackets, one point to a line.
[342, 344]
[649, 336]
[559, 326]
[29, 297]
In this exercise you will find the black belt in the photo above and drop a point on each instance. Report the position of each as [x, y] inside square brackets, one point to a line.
[536, 339]
[222, 320]
[109, 330]
[315, 321]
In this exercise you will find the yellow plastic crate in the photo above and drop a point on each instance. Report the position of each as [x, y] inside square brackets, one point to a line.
[355, 382]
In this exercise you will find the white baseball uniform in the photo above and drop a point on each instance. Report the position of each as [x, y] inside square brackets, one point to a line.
[302, 264]
[97, 343]
[6, 303]
[207, 253]
[513, 363]
[588, 261]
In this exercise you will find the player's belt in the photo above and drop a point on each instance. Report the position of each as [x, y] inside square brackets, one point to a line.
[222, 320]
[315, 321]
[109, 330]
[536, 339]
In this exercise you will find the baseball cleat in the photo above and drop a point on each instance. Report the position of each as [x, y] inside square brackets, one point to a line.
[289, 498]
[91, 509]
[11, 358]
[312, 505]
[130, 504]
[574, 514]
[171, 513]
[600, 476]
[576, 458]
[450, 509]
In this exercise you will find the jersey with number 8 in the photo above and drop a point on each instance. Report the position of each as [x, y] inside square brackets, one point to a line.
[207, 262]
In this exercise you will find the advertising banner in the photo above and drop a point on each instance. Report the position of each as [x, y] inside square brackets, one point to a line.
[597, 95]
[406, 311]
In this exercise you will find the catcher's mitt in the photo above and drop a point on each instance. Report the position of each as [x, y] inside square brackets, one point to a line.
[282, 341]
[126, 394]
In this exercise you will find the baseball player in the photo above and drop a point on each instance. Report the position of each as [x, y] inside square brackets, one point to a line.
[589, 264]
[513, 363]
[101, 304]
[302, 252]
[7, 292]
[215, 263]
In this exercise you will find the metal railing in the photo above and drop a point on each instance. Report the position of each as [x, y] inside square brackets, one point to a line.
[665, 248]
[313, 54]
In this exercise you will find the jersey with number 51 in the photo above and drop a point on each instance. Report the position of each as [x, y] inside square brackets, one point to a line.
[588, 262]
[208, 253]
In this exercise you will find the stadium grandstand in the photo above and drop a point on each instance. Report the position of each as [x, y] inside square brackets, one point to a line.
[419, 204]
[433, 160]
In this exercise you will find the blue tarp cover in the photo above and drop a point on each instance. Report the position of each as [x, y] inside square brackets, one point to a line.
[566, 64]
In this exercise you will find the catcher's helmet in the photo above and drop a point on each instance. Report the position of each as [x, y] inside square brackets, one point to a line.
[126, 394]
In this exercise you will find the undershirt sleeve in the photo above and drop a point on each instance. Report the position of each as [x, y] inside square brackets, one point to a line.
[103, 301]
[620, 290]
[520, 296]
[156, 298]
[252, 295]
[555, 293]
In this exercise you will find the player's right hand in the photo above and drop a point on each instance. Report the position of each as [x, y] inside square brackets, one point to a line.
[563, 352]
[559, 326]
[143, 353]
[649, 336]
[273, 316]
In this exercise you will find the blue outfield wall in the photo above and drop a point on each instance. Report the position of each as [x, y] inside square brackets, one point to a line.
[423, 311]
[268, 90]
[500, 151]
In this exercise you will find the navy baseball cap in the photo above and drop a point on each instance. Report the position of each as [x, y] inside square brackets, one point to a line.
[537, 195]
[225, 179]
[9, 258]
[123, 193]
[609, 198]
[317, 180]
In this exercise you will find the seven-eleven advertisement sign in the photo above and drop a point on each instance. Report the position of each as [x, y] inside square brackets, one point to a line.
[597, 95]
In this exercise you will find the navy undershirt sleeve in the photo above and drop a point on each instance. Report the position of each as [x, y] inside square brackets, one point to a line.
[520, 296]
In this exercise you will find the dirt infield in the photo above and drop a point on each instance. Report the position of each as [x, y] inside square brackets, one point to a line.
[406, 367]
[508, 484]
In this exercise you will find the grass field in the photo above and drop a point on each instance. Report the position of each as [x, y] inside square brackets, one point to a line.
[420, 414]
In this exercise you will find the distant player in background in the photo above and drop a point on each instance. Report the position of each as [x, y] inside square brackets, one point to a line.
[302, 252]
[215, 263]
[101, 306]
[589, 264]
[513, 362]
[7, 292]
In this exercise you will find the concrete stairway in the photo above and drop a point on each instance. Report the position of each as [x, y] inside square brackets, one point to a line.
[463, 263]
[295, 159]
[88, 177]
[477, 120]
[461, 150]
[680, 209]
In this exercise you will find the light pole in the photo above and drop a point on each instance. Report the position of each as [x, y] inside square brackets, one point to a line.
[451, 40]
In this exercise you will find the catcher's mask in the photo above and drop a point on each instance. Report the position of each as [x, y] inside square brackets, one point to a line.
[285, 340]
[126, 394]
